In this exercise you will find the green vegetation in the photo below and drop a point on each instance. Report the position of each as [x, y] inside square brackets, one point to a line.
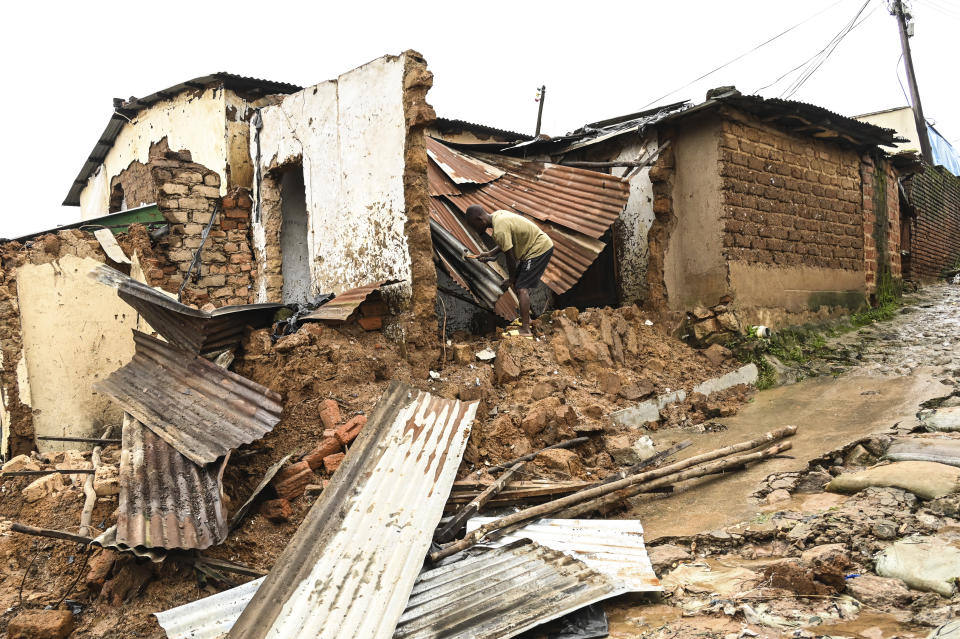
[801, 346]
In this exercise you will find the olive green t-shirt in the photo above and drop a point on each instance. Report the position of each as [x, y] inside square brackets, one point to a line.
[517, 233]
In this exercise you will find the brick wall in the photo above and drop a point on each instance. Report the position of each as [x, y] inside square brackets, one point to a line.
[188, 194]
[935, 195]
[881, 221]
[789, 201]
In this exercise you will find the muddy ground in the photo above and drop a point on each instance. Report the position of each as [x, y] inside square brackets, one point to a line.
[582, 367]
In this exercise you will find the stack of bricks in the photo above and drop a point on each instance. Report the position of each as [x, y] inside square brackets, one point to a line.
[789, 201]
[935, 246]
[881, 221]
[188, 194]
[292, 481]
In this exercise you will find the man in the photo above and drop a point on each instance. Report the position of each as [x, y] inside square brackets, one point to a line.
[526, 247]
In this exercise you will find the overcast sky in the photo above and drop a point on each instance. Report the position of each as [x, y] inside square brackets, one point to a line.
[65, 62]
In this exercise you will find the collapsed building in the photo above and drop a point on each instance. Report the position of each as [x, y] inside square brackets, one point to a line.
[317, 235]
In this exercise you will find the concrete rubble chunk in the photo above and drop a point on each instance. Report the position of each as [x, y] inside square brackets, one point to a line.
[106, 481]
[744, 375]
[879, 592]
[42, 486]
[41, 624]
[72, 459]
[666, 557]
[717, 354]
[20, 462]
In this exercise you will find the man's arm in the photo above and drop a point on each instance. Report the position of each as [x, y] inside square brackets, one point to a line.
[490, 255]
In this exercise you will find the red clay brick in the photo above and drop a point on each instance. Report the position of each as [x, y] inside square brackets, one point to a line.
[349, 431]
[332, 462]
[327, 446]
[329, 413]
[291, 481]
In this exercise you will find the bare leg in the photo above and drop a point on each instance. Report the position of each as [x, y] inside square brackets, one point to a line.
[523, 297]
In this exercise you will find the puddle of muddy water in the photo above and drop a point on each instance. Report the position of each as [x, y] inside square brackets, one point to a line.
[828, 413]
[871, 626]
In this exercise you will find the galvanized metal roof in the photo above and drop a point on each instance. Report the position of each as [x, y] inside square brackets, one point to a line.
[124, 110]
[191, 329]
[341, 307]
[459, 167]
[199, 408]
[350, 567]
[166, 500]
[612, 547]
[491, 593]
[501, 594]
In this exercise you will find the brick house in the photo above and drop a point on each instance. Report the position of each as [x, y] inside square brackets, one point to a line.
[779, 211]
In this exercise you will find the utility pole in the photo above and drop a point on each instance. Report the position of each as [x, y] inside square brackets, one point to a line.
[541, 96]
[902, 19]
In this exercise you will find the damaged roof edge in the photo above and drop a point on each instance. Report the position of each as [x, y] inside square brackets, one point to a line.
[124, 112]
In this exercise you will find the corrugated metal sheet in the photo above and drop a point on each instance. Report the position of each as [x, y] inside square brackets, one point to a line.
[494, 593]
[190, 329]
[574, 207]
[500, 594]
[341, 307]
[350, 567]
[108, 539]
[459, 167]
[446, 124]
[194, 405]
[612, 547]
[573, 253]
[166, 501]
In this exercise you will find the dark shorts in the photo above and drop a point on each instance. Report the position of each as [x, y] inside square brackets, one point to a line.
[530, 271]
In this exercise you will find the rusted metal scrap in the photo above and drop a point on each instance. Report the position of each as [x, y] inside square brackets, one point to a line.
[166, 500]
[199, 408]
[190, 329]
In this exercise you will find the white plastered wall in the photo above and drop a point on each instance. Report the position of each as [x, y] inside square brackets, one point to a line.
[635, 222]
[190, 120]
[75, 331]
[350, 133]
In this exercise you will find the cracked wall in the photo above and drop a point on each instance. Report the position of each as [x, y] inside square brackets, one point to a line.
[359, 141]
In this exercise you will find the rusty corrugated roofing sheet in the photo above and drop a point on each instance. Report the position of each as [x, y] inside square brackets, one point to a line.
[490, 594]
[341, 307]
[460, 168]
[191, 329]
[613, 547]
[574, 207]
[166, 500]
[349, 569]
[573, 253]
[194, 405]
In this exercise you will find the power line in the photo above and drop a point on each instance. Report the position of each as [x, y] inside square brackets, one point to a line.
[806, 62]
[742, 55]
[945, 10]
[853, 24]
[899, 81]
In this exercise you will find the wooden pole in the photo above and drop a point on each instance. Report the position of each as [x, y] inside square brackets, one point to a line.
[456, 522]
[47, 532]
[589, 494]
[82, 440]
[710, 468]
[919, 121]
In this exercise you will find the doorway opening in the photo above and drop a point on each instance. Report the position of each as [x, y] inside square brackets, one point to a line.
[294, 251]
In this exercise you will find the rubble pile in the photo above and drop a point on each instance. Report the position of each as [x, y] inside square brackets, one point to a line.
[857, 540]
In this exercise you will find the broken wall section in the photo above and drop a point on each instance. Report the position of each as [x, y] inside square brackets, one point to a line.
[359, 143]
[59, 331]
[188, 195]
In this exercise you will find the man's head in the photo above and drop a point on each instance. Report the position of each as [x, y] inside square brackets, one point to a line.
[478, 218]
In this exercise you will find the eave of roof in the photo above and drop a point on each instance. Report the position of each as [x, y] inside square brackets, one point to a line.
[441, 123]
[124, 110]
